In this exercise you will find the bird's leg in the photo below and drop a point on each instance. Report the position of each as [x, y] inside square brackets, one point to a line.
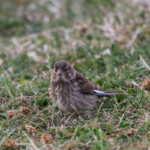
[76, 111]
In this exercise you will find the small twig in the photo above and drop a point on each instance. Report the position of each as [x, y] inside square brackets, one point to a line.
[120, 120]
[31, 141]
[144, 63]
[69, 117]
[133, 38]
[73, 135]
[135, 84]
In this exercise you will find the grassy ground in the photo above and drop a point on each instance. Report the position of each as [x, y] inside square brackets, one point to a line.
[108, 41]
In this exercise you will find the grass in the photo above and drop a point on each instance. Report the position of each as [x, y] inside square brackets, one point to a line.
[107, 41]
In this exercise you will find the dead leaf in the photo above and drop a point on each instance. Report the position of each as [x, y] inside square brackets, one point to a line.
[146, 84]
[130, 132]
[11, 144]
[30, 128]
[11, 113]
[46, 138]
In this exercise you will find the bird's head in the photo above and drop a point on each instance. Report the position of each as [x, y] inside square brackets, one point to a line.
[63, 71]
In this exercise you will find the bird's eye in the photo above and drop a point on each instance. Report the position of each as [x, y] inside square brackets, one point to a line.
[66, 70]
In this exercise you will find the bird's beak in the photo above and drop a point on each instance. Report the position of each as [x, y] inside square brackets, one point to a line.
[59, 72]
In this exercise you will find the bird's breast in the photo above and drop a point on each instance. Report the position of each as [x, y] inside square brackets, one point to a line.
[70, 99]
[66, 93]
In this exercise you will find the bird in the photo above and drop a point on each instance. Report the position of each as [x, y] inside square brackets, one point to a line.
[72, 91]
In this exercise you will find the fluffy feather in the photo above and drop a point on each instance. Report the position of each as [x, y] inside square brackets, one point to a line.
[72, 90]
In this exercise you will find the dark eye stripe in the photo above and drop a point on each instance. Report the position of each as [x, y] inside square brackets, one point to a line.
[65, 69]
[56, 67]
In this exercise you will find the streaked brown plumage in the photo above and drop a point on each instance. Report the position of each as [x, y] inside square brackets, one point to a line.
[71, 91]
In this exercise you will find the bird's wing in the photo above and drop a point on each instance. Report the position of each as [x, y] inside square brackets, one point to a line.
[85, 85]
[88, 87]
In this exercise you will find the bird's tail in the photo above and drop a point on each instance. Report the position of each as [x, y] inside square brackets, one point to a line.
[106, 93]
